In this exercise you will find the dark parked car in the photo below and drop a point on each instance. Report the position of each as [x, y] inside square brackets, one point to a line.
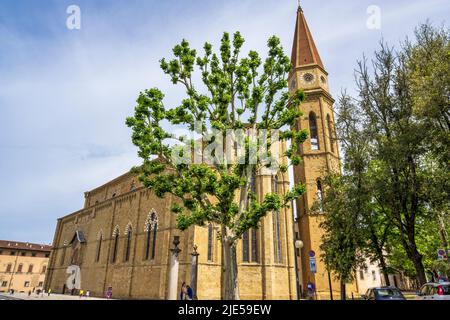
[383, 293]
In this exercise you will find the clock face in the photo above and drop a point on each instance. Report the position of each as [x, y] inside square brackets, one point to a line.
[308, 77]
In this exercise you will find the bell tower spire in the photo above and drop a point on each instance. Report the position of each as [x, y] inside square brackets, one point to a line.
[304, 50]
[319, 153]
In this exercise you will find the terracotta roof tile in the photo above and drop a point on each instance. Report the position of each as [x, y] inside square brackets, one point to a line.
[17, 245]
[304, 50]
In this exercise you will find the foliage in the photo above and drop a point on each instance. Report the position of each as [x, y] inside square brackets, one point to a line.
[339, 249]
[234, 94]
[394, 136]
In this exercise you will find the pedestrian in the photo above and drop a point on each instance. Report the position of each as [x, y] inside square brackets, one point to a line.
[109, 293]
[190, 293]
[81, 293]
[29, 293]
[88, 293]
[183, 293]
[49, 292]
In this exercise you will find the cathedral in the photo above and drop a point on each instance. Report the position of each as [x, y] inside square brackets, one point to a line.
[120, 241]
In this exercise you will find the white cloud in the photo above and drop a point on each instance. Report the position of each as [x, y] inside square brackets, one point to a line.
[64, 95]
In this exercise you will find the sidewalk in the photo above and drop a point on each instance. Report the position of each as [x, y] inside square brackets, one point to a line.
[24, 296]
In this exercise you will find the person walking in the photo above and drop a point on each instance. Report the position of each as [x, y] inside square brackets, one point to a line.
[190, 293]
[109, 293]
[49, 292]
[183, 293]
[88, 293]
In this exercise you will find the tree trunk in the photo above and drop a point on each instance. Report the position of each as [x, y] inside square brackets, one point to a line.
[418, 265]
[231, 288]
[415, 257]
[343, 293]
[386, 278]
[384, 270]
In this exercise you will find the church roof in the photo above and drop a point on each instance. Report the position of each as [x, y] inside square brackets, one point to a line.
[304, 51]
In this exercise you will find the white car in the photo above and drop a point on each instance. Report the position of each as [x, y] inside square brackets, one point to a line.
[434, 291]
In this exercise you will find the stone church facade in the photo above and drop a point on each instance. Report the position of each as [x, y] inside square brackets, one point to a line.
[122, 237]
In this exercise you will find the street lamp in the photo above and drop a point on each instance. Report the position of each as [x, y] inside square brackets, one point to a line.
[194, 270]
[174, 266]
[298, 244]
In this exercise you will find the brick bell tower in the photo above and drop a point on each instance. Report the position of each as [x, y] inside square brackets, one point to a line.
[319, 153]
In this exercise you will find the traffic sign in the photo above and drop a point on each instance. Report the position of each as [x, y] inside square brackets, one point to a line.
[442, 255]
[312, 253]
[311, 288]
[312, 264]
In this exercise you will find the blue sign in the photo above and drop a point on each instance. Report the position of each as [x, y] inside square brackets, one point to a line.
[312, 253]
[312, 264]
[310, 289]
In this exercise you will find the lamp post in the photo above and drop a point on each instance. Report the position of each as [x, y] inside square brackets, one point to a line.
[174, 266]
[298, 245]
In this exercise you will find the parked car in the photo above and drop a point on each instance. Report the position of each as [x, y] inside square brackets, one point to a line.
[383, 293]
[434, 291]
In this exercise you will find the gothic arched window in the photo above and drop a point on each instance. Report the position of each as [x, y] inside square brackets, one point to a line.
[154, 240]
[277, 237]
[115, 245]
[319, 190]
[30, 268]
[128, 244]
[99, 248]
[250, 246]
[19, 268]
[151, 228]
[330, 132]
[313, 131]
[254, 245]
[320, 194]
[245, 243]
[147, 243]
[210, 242]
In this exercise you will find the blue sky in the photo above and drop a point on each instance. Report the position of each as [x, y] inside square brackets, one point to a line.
[64, 94]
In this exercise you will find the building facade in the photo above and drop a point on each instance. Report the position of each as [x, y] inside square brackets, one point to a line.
[122, 237]
[121, 241]
[371, 276]
[320, 154]
[23, 266]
